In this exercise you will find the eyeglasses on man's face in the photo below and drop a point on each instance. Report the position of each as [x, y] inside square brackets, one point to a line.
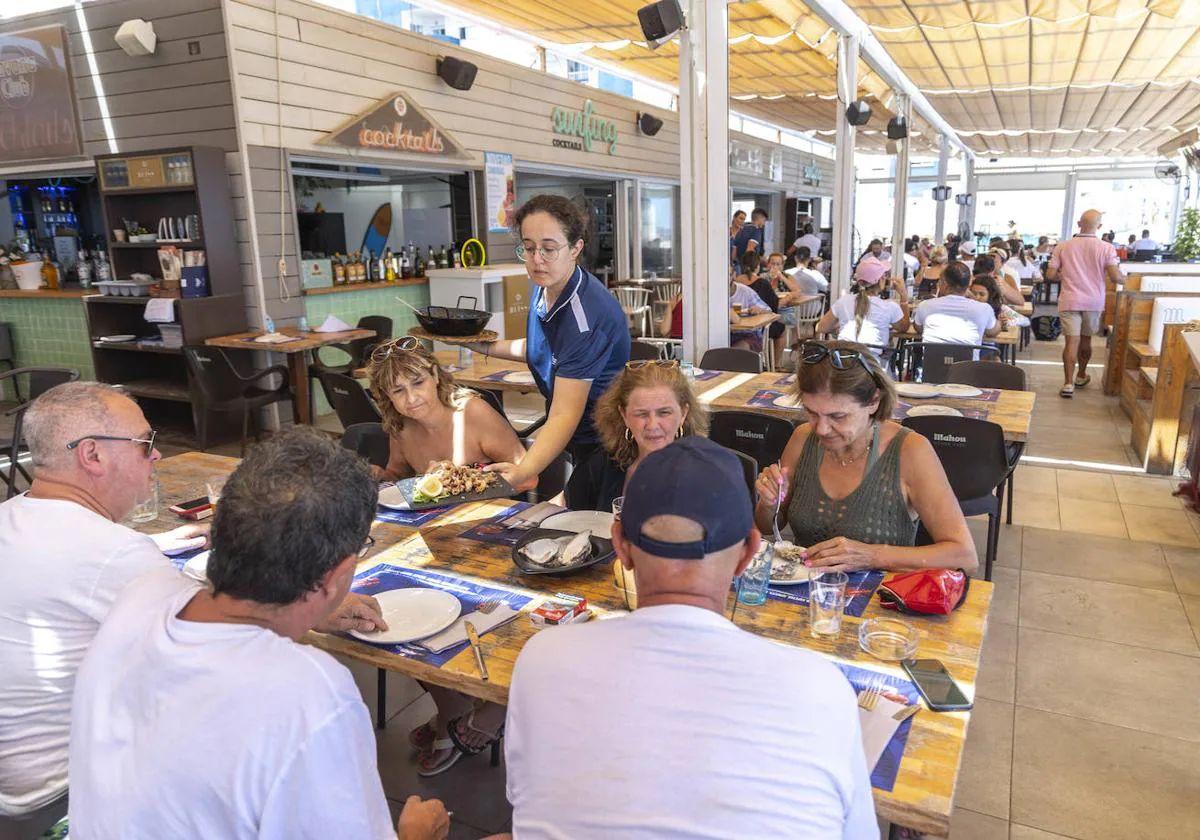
[367, 545]
[548, 253]
[147, 443]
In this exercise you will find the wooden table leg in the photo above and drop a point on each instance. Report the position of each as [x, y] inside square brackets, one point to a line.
[298, 368]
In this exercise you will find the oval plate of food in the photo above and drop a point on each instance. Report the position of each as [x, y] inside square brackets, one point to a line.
[954, 389]
[548, 551]
[787, 566]
[934, 410]
[917, 390]
[448, 484]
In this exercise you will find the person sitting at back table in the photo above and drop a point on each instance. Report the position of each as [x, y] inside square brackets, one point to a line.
[806, 276]
[197, 711]
[995, 263]
[855, 482]
[744, 301]
[670, 325]
[669, 736]
[1145, 243]
[985, 290]
[862, 315]
[64, 560]
[764, 286]
[807, 240]
[649, 405]
[952, 317]
[927, 279]
[429, 419]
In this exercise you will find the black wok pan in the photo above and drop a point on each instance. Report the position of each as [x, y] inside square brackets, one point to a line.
[454, 320]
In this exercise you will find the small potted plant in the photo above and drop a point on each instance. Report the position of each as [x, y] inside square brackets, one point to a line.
[1187, 236]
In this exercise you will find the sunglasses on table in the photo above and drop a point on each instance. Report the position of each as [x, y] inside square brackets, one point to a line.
[813, 352]
[637, 364]
[146, 443]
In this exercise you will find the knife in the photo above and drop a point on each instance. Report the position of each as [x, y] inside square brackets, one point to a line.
[473, 636]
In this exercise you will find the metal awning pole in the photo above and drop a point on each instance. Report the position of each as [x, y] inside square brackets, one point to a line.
[939, 228]
[843, 167]
[704, 176]
[900, 204]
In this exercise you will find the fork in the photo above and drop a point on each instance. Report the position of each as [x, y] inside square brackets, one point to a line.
[868, 698]
[488, 607]
[778, 503]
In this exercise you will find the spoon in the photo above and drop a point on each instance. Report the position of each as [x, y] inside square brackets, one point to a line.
[410, 306]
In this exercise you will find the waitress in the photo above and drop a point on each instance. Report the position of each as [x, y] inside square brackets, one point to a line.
[577, 336]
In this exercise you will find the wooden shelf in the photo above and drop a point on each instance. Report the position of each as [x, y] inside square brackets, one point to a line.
[161, 243]
[114, 192]
[137, 348]
[1143, 350]
[45, 293]
[158, 389]
[127, 299]
[366, 287]
[1150, 374]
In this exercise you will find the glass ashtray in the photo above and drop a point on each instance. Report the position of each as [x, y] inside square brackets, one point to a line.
[889, 639]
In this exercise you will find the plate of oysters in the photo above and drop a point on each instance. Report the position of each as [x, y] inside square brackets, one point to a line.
[547, 551]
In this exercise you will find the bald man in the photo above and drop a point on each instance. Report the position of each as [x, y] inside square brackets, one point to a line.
[1081, 265]
[694, 727]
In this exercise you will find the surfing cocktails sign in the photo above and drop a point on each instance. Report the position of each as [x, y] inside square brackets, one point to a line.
[582, 128]
[396, 124]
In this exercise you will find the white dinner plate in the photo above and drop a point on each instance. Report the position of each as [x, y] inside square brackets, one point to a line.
[950, 389]
[788, 401]
[391, 497]
[519, 377]
[412, 614]
[116, 339]
[941, 410]
[197, 567]
[920, 390]
[576, 521]
[799, 572]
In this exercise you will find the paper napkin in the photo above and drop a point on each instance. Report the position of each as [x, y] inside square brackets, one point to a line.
[456, 633]
[333, 323]
[878, 727]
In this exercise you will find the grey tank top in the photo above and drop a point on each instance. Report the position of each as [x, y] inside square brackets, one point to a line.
[874, 513]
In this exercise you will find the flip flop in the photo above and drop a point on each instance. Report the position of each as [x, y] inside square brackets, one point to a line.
[1067, 391]
[427, 767]
[1082, 383]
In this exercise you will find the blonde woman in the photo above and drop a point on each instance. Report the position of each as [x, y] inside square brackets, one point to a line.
[428, 418]
[647, 406]
[927, 279]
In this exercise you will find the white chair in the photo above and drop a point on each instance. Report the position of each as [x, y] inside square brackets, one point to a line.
[636, 305]
[665, 291]
[807, 316]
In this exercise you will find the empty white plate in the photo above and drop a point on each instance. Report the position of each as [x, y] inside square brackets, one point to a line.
[412, 614]
[788, 401]
[391, 497]
[576, 521]
[942, 410]
[116, 339]
[921, 390]
[519, 377]
[949, 389]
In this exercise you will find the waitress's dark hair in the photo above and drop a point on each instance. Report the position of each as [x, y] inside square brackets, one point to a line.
[569, 215]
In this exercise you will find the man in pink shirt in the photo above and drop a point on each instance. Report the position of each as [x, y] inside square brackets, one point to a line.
[1081, 264]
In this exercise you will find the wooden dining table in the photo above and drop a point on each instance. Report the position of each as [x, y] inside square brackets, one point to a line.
[297, 356]
[922, 798]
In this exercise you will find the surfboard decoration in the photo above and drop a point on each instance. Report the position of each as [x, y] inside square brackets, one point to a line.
[376, 237]
[396, 124]
[473, 254]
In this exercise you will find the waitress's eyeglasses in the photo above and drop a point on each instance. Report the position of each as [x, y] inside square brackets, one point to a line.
[549, 253]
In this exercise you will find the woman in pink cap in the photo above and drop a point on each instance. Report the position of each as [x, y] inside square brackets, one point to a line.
[862, 315]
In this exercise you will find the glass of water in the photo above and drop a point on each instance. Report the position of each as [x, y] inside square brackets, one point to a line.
[752, 588]
[826, 600]
[147, 509]
[617, 504]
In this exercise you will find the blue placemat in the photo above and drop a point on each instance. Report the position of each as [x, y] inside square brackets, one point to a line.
[491, 531]
[790, 379]
[701, 375]
[859, 589]
[883, 776]
[385, 577]
[766, 398]
[411, 518]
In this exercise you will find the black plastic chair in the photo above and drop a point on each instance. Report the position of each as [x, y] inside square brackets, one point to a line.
[350, 401]
[732, 359]
[359, 351]
[370, 441]
[760, 436]
[641, 351]
[973, 455]
[223, 390]
[749, 471]
[933, 361]
[991, 375]
[38, 380]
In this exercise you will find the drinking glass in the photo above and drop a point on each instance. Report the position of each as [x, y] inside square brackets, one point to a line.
[213, 487]
[617, 504]
[147, 509]
[826, 600]
[752, 588]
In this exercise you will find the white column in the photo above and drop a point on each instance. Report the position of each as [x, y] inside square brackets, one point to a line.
[704, 176]
[1176, 209]
[939, 230]
[843, 167]
[1068, 219]
[900, 202]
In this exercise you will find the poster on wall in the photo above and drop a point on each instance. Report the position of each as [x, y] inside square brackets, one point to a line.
[501, 191]
[38, 118]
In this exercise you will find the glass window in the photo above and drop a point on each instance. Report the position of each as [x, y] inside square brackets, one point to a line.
[1129, 206]
[1028, 213]
[660, 234]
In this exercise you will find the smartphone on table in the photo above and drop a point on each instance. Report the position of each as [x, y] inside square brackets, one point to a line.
[937, 687]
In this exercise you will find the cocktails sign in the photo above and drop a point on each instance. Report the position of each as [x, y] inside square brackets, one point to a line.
[38, 119]
[396, 124]
[580, 128]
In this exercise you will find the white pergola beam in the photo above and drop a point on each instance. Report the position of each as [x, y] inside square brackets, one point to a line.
[843, 169]
[900, 193]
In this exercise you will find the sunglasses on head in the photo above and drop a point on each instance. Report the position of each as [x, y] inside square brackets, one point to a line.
[386, 349]
[637, 364]
[147, 444]
[814, 352]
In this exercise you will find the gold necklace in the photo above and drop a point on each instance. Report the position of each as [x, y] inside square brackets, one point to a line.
[848, 461]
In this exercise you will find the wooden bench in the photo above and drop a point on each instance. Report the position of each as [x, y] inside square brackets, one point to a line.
[1163, 401]
[1129, 346]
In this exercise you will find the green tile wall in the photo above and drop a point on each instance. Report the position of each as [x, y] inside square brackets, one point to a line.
[50, 331]
[350, 306]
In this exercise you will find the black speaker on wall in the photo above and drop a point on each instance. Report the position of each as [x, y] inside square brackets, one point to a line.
[457, 73]
[858, 112]
[660, 20]
[649, 124]
[897, 128]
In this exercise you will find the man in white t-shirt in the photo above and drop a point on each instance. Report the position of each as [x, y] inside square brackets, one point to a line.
[952, 317]
[198, 714]
[692, 727]
[1145, 243]
[807, 240]
[808, 279]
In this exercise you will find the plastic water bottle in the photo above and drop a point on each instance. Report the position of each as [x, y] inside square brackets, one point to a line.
[269, 324]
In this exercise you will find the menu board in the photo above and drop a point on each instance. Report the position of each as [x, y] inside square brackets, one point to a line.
[38, 119]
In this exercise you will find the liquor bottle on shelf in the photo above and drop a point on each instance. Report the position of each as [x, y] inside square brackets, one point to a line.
[83, 269]
[455, 255]
[381, 268]
[406, 268]
[339, 270]
[360, 266]
[389, 272]
[431, 260]
[101, 270]
[49, 271]
[419, 269]
[369, 268]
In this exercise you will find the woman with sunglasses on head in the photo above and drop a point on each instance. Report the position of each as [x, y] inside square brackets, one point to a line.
[650, 404]
[577, 335]
[854, 482]
[428, 418]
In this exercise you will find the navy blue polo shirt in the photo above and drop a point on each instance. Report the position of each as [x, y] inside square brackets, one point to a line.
[748, 232]
[585, 335]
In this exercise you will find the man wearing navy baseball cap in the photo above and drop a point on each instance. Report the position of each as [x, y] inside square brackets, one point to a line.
[671, 721]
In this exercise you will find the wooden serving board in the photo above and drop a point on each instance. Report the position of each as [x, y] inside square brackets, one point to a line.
[425, 335]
